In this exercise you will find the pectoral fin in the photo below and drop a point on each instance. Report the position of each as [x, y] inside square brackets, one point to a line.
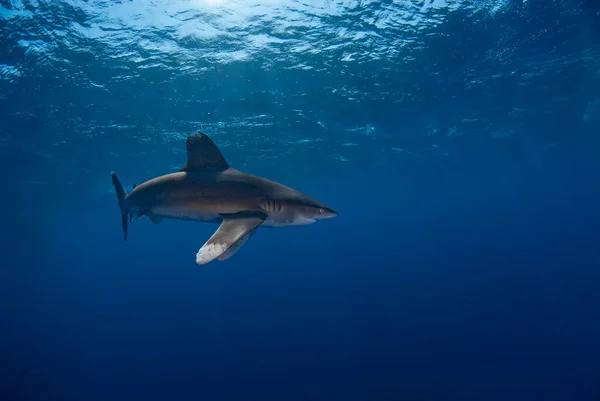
[233, 229]
[236, 247]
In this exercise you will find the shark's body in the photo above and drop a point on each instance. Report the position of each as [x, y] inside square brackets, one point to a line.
[208, 190]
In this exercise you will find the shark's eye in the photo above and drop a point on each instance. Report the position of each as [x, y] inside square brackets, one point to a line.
[321, 211]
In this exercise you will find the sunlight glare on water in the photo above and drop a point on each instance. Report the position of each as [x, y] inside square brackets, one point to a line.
[266, 74]
[210, 2]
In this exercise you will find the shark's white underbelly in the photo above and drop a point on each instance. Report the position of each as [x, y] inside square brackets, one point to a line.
[184, 214]
[275, 220]
[180, 213]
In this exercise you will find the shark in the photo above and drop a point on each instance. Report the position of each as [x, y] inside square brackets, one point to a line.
[208, 190]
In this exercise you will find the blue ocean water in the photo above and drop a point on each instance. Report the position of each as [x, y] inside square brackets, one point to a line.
[458, 140]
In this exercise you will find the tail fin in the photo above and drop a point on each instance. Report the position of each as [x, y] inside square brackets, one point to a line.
[121, 194]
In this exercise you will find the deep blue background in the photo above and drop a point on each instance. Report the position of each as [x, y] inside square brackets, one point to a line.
[469, 276]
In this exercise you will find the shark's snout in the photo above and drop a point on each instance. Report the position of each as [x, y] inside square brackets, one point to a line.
[327, 213]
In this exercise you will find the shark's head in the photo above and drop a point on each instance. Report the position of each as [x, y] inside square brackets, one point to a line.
[295, 210]
[308, 213]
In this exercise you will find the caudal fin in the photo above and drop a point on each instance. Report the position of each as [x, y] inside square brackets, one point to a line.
[121, 194]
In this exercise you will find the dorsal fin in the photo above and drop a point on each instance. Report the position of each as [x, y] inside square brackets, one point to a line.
[203, 155]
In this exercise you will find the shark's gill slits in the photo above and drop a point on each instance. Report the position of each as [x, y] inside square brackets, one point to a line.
[266, 205]
[270, 205]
